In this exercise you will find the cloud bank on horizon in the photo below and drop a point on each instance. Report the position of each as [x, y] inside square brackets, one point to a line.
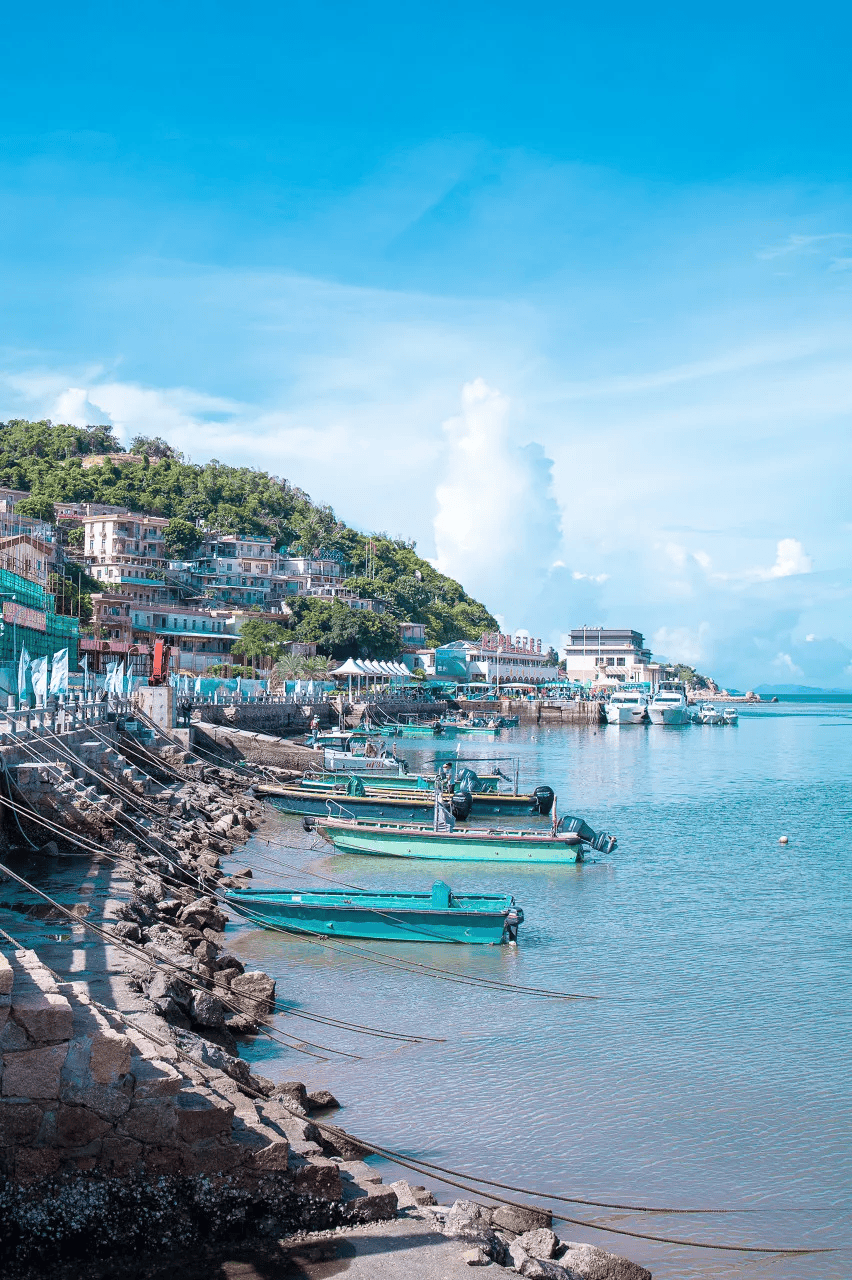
[600, 373]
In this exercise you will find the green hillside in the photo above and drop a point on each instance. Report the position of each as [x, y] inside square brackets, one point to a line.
[46, 459]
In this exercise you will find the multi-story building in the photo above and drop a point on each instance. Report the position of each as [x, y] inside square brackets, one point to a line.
[12, 524]
[126, 551]
[495, 659]
[29, 557]
[412, 635]
[231, 568]
[602, 656]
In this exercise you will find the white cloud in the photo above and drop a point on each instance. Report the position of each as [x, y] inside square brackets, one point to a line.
[801, 244]
[702, 558]
[589, 577]
[497, 524]
[790, 559]
[785, 665]
[682, 644]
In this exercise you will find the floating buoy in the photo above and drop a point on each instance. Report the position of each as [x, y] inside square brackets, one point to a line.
[783, 840]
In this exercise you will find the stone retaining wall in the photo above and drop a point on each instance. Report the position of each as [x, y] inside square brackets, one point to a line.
[278, 718]
[257, 748]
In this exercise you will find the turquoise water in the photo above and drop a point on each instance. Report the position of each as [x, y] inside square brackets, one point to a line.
[711, 1070]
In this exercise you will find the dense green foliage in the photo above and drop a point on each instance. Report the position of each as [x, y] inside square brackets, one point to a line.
[47, 460]
[341, 632]
[182, 539]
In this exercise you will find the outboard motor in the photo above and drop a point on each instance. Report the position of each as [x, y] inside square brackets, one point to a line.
[543, 798]
[461, 805]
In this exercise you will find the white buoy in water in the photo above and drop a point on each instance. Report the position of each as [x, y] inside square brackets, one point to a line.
[783, 840]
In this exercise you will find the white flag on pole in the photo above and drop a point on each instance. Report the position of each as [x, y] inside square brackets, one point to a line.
[38, 671]
[59, 672]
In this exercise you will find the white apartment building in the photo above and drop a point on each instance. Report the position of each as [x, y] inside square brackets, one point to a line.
[237, 569]
[127, 553]
[599, 655]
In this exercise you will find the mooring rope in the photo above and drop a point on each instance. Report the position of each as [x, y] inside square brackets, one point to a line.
[441, 1174]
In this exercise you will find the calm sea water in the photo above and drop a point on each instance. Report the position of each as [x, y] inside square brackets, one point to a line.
[712, 1070]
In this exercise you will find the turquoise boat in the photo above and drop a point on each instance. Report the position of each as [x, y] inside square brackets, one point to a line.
[400, 781]
[567, 841]
[357, 802]
[507, 804]
[442, 916]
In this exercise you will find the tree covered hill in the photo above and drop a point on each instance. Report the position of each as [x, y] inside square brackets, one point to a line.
[47, 460]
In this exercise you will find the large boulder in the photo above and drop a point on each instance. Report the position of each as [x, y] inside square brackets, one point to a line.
[203, 913]
[519, 1218]
[591, 1263]
[206, 1010]
[254, 993]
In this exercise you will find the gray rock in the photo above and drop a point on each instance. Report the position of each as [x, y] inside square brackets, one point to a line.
[476, 1257]
[537, 1268]
[591, 1263]
[206, 1010]
[321, 1099]
[521, 1218]
[409, 1197]
[293, 1092]
[539, 1243]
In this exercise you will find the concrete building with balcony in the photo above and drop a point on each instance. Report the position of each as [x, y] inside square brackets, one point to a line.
[598, 655]
[29, 557]
[126, 552]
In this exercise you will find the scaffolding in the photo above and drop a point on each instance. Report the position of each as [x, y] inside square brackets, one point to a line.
[60, 632]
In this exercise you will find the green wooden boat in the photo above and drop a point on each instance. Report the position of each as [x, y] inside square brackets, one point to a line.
[567, 841]
[442, 916]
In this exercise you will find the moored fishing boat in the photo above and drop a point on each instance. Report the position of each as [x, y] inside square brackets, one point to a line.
[482, 803]
[404, 781]
[439, 916]
[359, 803]
[568, 840]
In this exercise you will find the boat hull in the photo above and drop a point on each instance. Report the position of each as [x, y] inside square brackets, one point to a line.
[624, 715]
[316, 804]
[483, 803]
[669, 715]
[405, 782]
[482, 920]
[450, 846]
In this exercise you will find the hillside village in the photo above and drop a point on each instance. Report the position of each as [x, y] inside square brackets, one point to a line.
[230, 586]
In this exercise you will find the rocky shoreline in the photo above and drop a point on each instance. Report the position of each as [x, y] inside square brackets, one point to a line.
[130, 1128]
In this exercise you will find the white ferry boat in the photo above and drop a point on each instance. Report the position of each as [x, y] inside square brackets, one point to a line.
[626, 707]
[669, 704]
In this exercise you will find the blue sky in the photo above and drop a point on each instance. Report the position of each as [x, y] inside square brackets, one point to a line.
[562, 292]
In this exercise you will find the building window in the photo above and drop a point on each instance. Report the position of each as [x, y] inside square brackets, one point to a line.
[621, 662]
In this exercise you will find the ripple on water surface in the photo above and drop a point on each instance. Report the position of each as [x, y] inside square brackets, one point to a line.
[711, 1070]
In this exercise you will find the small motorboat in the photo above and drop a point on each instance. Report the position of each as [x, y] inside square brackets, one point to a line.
[730, 715]
[708, 713]
[568, 840]
[508, 804]
[354, 800]
[439, 916]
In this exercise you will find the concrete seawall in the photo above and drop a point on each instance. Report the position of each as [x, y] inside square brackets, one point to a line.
[538, 709]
